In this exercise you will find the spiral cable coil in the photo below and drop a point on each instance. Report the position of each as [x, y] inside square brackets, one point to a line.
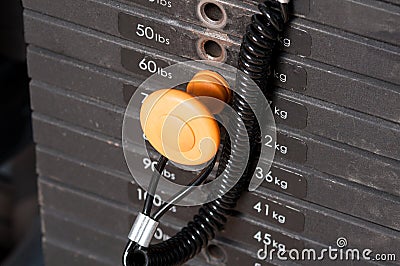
[255, 59]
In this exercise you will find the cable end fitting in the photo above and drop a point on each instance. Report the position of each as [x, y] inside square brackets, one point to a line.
[143, 230]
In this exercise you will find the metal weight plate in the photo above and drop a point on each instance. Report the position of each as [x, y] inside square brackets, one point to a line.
[302, 38]
[359, 236]
[386, 147]
[299, 147]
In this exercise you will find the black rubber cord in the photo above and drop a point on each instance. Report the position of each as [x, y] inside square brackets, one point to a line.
[184, 192]
[148, 204]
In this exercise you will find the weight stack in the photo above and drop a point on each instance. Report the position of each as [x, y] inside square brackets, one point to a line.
[335, 179]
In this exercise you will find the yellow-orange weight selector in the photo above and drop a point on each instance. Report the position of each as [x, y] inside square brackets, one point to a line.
[181, 127]
[211, 84]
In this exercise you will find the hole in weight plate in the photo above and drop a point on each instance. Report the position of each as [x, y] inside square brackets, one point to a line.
[215, 253]
[213, 49]
[213, 12]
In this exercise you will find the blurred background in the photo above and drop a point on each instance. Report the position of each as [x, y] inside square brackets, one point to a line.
[19, 212]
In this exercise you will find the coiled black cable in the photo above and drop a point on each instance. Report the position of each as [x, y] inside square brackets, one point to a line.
[255, 59]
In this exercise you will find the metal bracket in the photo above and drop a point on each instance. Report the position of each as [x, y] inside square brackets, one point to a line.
[143, 230]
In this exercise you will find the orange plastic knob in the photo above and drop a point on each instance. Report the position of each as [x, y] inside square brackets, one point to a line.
[211, 84]
[180, 127]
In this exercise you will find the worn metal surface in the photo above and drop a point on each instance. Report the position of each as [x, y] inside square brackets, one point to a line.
[112, 158]
[304, 38]
[369, 18]
[130, 60]
[317, 117]
[358, 235]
